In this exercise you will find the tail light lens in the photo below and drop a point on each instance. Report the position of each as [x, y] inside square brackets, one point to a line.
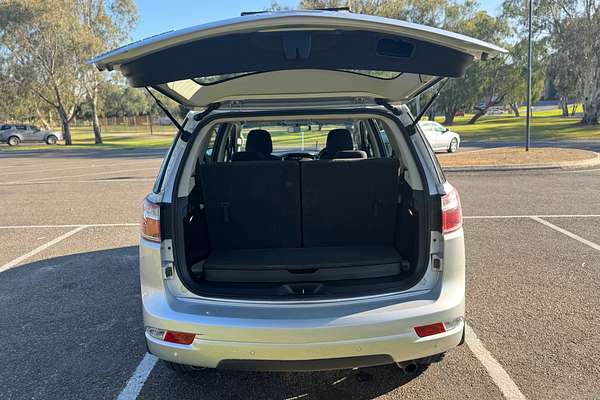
[431, 329]
[151, 221]
[451, 210]
[179, 337]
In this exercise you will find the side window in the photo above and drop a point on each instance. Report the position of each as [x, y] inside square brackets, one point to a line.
[211, 146]
[388, 150]
[21, 127]
[5, 127]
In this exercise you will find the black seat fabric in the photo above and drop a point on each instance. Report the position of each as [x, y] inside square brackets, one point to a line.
[349, 202]
[350, 154]
[252, 204]
[259, 141]
[259, 147]
[247, 156]
[337, 140]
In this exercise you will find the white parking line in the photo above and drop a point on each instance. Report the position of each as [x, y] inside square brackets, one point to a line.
[568, 233]
[41, 248]
[54, 178]
[106, 180]
[136, 382]
[507, 386]
[65, 226]
[77, 166]
[532, 216]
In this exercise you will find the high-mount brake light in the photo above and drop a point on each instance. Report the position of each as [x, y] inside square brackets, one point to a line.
[451, 210]
[151, 221]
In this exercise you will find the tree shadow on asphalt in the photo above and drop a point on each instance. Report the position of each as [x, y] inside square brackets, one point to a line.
[73, 325]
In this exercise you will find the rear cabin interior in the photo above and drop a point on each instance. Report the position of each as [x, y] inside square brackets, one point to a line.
[307, 209]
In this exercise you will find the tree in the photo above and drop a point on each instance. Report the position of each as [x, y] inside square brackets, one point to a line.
[108, 23]
[571, 28]
[44, 43]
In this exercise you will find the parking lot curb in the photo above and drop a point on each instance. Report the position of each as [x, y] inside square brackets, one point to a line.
[564, 165]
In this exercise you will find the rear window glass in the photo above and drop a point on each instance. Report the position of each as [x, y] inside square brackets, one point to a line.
[299, 136]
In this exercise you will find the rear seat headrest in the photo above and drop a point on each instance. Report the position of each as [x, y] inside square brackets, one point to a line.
[259, 141]
[350, 154]
[337, 140]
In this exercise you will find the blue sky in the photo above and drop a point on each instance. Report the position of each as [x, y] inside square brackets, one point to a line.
[161, 16]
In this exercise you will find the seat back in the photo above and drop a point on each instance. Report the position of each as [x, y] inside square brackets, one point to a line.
[252, 204]
[349, 202]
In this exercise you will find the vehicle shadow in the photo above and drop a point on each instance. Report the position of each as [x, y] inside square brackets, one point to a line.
[71, 326]
[357, 384]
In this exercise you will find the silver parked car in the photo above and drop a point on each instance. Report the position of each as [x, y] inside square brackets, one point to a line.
[347, 256]
[13, 134]
[440, 138]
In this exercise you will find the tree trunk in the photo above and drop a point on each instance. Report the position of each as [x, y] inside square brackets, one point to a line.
[564, 106]
[574, 109]
[591, 100]
[480, 113]
[515, 109]
[95, 120]
[65, 124]
[45, 123]
[449, 117]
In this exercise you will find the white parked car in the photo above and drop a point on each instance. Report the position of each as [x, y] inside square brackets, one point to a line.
[440, 138]
[349, 256]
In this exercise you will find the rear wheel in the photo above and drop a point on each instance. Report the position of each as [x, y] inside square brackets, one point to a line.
[453, 146]
[13, 141]
[51, 139]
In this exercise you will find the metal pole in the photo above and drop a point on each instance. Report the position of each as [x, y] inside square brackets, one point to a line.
[529, 57]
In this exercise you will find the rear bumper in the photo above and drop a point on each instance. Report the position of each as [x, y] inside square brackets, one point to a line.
[304, 335]
[306, 356]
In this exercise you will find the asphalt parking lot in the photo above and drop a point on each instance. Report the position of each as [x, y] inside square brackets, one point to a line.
[70, 318]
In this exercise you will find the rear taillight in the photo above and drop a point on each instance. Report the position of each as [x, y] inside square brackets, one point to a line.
[171, 336]
[179, 337]
[451, 210]
[151, 221]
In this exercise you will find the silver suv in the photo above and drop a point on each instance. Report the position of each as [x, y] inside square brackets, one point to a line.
[15, 134]
[282, 233]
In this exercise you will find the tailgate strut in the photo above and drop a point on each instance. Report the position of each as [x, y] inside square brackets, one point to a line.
[185, 135]
[412, 126]
[166, 111]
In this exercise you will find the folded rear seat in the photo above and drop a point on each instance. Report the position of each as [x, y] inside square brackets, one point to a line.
[349, 202]
[308, 221]
[253, 204]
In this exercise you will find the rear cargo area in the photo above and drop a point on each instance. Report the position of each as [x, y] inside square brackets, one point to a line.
[342, 227]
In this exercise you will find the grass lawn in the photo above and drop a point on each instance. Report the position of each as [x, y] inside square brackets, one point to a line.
[546, 125]
[113, 136]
